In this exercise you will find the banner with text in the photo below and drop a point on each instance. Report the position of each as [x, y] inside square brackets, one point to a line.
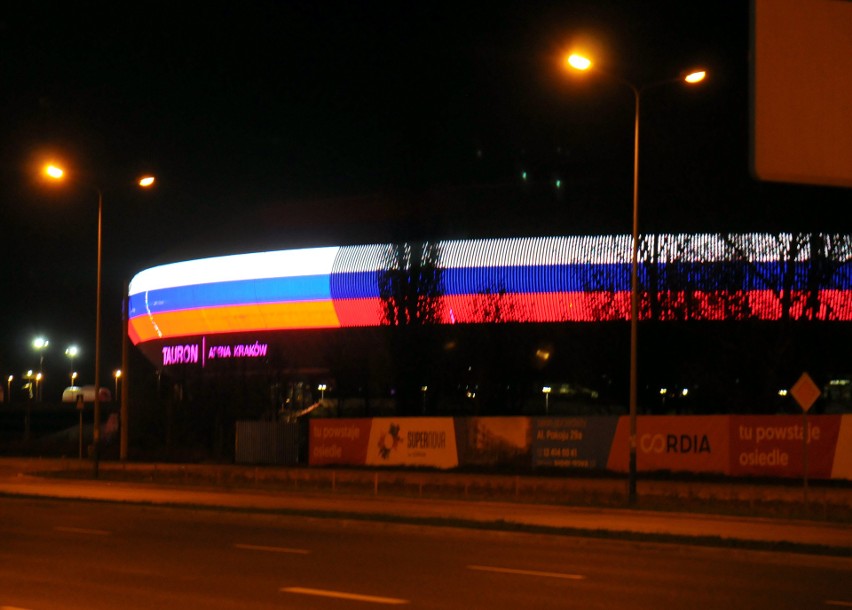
[572, 442]
[774, 446]
[338, 441]
[738, 445]
[676, 443]
[413, 441]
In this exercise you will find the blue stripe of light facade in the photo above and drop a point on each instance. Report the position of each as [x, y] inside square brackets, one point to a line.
[706, 277]
[241, 292]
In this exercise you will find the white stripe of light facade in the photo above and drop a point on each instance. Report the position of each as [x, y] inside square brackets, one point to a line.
[257, 265]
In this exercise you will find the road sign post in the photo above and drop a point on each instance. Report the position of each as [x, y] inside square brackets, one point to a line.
[80, 431]
[805, 392]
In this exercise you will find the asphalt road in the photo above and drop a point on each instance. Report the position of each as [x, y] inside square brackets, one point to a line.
[61, 554]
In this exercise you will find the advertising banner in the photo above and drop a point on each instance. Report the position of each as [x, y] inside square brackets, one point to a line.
[338, 441]
[842, 468]
[493, 441]
[572, 442]
[418, 441]
[773, 446]
[675, 443]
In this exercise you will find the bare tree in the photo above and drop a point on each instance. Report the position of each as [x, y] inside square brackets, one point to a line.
[410, 285]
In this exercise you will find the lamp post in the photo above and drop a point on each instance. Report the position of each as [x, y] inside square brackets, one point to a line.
[71, 351]
[582, 63]
[546, 391]
[40, 344]
[57, 173]
[117, 375]
[9, 389]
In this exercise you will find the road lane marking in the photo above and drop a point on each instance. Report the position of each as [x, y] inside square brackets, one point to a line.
[342, 595]
[833, 602]
[271, 549]
[81, 530]
[527, 572]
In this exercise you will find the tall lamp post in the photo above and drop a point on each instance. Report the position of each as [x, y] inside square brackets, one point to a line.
[582, 63]
[71, 351]
[40, 344]
[57, 173]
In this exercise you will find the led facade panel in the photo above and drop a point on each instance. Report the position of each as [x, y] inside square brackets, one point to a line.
[543, 279]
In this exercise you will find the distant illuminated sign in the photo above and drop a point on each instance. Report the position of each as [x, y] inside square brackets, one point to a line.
[180, 354]
[202, 353]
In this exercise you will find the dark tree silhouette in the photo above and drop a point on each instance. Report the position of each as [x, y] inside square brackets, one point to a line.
[410, 289]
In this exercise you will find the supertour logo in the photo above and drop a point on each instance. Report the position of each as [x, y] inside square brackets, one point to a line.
[422, 441]
[413, 440]
[675, 443]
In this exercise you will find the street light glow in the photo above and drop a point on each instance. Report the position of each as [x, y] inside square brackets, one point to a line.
[146, 181]
[695, 77]
[40, 343]
[578, 62]
[53, 171]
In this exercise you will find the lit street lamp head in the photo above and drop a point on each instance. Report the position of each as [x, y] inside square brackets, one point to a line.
[146, 181]
[695, 77]
[40, 343]
[578, 62]
[54, 172]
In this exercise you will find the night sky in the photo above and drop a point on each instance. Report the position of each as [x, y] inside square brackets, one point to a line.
[286, 124]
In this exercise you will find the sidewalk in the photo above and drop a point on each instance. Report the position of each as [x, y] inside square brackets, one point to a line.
[16, 479]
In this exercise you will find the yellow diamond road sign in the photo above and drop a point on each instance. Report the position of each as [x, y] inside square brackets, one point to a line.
[805, 391]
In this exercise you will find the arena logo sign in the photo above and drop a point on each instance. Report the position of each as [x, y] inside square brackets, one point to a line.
[201, 353]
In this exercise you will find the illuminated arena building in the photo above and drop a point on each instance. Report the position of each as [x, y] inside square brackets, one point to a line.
[335, 310]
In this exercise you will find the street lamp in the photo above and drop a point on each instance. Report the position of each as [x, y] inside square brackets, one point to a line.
[40, 344]
[322, 388]
[71, 351]
[39, 376]
[73, 377]
[9, 388]
[546, 391]
[117, 375]
[582, 63]
[55, 172]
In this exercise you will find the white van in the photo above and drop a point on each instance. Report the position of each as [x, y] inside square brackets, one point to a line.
[71, 393]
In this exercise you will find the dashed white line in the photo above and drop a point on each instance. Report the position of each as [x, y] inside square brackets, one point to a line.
[375, 599]
[271, 549]
[527, 572]
[81, 530]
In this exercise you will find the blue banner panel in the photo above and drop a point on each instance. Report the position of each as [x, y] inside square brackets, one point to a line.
[572, 442]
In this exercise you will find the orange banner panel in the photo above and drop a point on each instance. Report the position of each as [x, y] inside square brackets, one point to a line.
[676, 443]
